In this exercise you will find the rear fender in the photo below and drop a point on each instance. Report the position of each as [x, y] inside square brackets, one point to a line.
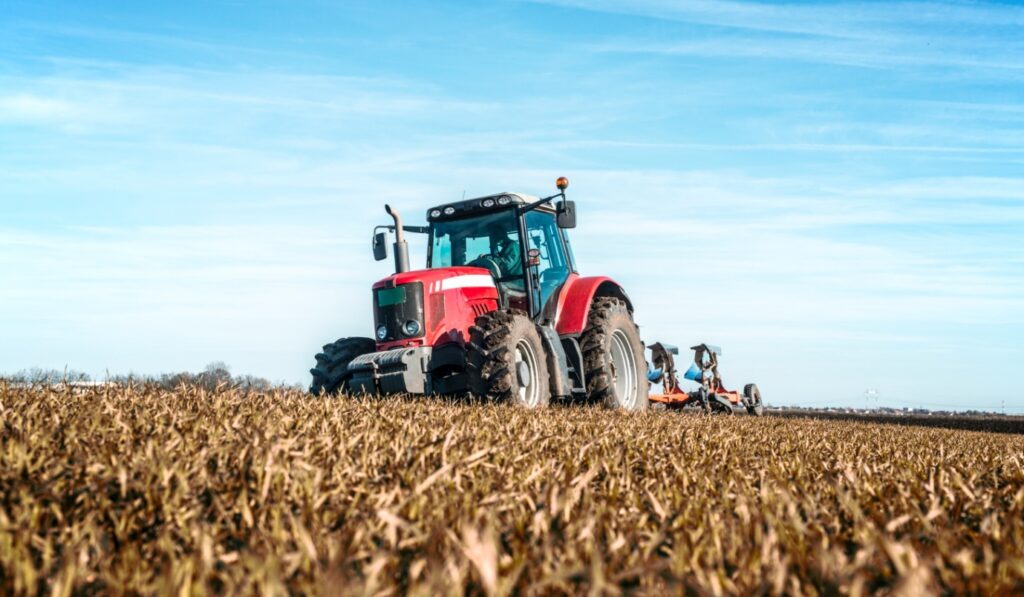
[576, 297]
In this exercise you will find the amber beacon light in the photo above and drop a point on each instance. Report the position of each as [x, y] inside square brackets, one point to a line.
[562, 183]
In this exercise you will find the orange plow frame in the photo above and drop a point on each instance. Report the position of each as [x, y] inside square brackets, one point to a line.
[712, 395]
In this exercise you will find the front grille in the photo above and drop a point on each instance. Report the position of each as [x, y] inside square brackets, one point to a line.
[392, 307]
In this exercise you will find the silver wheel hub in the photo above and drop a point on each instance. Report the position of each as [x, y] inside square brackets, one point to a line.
[624, 370]
[523, 373]
[526, 366]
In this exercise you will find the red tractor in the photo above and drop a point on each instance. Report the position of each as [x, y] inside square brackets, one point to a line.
[500, 313]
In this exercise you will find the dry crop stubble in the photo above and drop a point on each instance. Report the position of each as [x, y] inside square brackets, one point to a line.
[137, 489]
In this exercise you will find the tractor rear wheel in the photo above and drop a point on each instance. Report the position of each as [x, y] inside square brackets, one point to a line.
[506, 361]
[753, 399]
[331, 371]
[613, 356]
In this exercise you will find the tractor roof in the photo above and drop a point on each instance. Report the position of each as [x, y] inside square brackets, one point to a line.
[490, 203]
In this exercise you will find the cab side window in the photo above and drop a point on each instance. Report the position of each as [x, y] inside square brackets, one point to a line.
[542, 233]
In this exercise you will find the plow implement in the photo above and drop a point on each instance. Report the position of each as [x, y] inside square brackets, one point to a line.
[712, 396]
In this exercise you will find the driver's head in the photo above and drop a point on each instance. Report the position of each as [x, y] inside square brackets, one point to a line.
[499, 236]
[508, 249]
[505, 249]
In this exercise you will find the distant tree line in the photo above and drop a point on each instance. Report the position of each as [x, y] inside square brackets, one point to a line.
[216, 374]
[37, 376]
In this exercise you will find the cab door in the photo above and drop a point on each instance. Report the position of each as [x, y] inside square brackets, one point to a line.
[552, 266]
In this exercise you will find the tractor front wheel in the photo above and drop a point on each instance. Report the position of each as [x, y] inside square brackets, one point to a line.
[613, 356]
[506, 360]
[331, 371]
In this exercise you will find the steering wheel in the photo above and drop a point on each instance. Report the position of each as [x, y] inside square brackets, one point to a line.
[489, 263]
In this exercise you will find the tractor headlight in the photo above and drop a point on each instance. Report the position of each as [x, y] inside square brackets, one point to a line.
[435, 213]
[487, 203]
[449, 210]
[382, 332]
[411, 327]
[504, 200]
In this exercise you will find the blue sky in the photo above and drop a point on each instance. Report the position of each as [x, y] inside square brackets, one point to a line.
[832, 192]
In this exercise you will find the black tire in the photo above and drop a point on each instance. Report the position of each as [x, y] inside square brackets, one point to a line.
[612, 336]
[498, 341]
[753, 396]
[331, 371]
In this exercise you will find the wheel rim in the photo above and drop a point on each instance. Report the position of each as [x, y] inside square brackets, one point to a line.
[624, 370]
[529, 393]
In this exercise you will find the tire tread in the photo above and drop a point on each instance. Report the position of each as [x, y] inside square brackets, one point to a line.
[332, 364]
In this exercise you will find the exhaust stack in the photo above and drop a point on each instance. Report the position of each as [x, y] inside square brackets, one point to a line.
[401, 247]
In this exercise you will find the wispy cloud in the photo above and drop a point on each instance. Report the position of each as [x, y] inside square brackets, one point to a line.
[851, 20]
[828, 51]
[36, 110]
[813, 147]
[870, 35]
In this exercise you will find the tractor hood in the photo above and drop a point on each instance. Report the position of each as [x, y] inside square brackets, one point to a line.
[444, 302]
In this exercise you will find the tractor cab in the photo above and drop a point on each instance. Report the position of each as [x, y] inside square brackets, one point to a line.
[519, 239]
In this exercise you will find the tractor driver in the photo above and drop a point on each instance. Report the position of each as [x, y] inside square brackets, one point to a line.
[506, 252]
[505, 258]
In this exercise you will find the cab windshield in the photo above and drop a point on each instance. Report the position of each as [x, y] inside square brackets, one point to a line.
[490, 241]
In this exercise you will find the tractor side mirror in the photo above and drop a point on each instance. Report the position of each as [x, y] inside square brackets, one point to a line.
[566, 214]
[380, 246]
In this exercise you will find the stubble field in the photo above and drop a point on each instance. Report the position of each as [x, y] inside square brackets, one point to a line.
[141, 490]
